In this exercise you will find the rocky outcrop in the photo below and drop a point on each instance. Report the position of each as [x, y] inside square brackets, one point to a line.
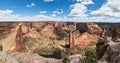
[72, 40]
[109, 28]
[6, 28]
[25, 58]
[89, 34]
[26, 27]
[17, 57]
[108, 52]
[112, 54]
[82, 27]
[101, 47]
[94, 29]
[75, 58]
[90, 28]
[49, 32]
[61, 28]
[18, 43]
[86, 40]
[116, 35]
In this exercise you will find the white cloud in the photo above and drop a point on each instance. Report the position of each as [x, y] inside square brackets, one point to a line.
[85, 2]
[55, 13]
[43, 12]
[109, 12]
[7, 15]
[110, 9]
[78, 9]
[31, 5]
[6, 11]
[48, 0]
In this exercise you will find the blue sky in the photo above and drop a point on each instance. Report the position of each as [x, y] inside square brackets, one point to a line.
[66, 10]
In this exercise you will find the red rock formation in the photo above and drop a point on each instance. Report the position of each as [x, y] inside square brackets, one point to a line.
[70, 40]
[94, 29]
[48, 31]
[6, 28]
[25, 28]
[60, 28]
[18, 43]
[90, 35]
[85, 40]
[81, 27]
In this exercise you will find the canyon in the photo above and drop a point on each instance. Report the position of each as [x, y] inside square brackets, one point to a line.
[45, 37]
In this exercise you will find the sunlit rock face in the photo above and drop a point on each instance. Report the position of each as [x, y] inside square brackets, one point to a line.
[89, 34]
[94, 29]
[22, 33]
[25, 27]
[91, 28]
[85, 40]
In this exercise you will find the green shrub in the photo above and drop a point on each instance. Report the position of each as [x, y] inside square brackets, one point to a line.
[90, 56]
[65, 60]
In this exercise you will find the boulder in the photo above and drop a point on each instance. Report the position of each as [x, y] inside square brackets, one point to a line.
[75, 58]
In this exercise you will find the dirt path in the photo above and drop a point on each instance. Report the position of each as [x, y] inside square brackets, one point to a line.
[8, 41]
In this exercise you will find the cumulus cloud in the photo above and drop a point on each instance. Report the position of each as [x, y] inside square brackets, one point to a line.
[43, 12]
[78, 9]
[110, 9]
[48, 0]
[30, 5]
[7, 15]
[109, 12]
[54, 13]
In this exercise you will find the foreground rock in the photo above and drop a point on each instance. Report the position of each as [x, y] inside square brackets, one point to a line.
[108, 52]
[25, 58]
[75, 58]
[112, 55]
